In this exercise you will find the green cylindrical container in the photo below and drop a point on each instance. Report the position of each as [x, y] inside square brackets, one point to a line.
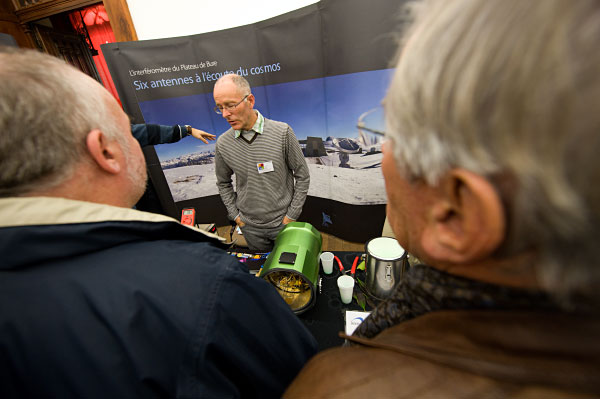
[293, 265]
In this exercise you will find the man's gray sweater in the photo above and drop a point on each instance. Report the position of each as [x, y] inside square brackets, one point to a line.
[262, 199]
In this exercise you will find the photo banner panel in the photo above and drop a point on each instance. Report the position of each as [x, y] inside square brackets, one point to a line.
[318, 68]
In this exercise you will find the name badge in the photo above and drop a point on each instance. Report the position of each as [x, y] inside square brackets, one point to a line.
[264, 167]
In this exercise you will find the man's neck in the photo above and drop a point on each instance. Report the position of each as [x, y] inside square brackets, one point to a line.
[105, 190]
[517, 271]
[252, 121]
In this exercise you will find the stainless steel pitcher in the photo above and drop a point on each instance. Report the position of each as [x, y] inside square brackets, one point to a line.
[386, 261]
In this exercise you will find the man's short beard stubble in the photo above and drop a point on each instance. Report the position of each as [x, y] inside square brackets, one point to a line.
[138, 176]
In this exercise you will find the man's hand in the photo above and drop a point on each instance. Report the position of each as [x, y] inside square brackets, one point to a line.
[202, 135]
[239, 222]
[287, 220]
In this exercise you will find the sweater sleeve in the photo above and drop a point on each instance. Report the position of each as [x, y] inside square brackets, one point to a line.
[297, 164]
[151, 134]
[225, 184]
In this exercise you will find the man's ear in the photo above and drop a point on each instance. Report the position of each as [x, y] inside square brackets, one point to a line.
[103, 151]
[466, 221]
[251, 100]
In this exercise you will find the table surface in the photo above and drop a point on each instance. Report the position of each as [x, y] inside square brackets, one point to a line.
[326, 319]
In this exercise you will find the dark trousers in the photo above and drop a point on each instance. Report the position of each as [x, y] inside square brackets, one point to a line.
[259, 239]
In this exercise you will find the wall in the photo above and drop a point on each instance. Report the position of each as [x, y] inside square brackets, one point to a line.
[9, 24]
[154, 19]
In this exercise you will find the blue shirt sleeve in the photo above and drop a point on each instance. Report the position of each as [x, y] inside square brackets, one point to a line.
[151, 134]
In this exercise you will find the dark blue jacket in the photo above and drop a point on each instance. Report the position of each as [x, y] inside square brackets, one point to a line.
[105, 302]
[150, 134]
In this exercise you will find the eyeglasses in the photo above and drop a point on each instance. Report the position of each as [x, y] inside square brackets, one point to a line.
[219, 110]
[374, 116]
[361, 126]
[370, 130]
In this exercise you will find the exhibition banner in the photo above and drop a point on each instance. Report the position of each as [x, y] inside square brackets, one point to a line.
[323, 69]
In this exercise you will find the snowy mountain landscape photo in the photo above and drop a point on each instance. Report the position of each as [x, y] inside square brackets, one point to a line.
[344, 173]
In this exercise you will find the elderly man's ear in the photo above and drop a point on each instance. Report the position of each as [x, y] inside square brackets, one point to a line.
[106, 153]
[466, 221]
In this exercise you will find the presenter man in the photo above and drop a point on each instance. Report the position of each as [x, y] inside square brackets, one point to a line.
[271, 173]
[98, 300]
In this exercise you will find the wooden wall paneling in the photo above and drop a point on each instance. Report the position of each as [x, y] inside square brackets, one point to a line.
[70, 47]
[120, 20]
[9, 24]
[15, 21]
[48, 8]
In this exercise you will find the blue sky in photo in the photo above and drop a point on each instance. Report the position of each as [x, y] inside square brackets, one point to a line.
[317, 107]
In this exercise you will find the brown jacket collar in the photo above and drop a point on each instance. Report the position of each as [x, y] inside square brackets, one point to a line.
[463, 353]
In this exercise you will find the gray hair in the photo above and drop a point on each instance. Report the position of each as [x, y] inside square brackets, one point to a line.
[46, 110]
[239, 81]
[510, 89]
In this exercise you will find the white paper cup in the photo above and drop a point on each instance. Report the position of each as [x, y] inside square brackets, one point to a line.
[346, 286]
[327, 262]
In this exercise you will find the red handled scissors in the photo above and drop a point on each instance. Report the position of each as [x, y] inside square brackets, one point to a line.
[352, 270]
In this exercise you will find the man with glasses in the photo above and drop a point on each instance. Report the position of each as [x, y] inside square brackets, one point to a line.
[271, 173]
[491, 170]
